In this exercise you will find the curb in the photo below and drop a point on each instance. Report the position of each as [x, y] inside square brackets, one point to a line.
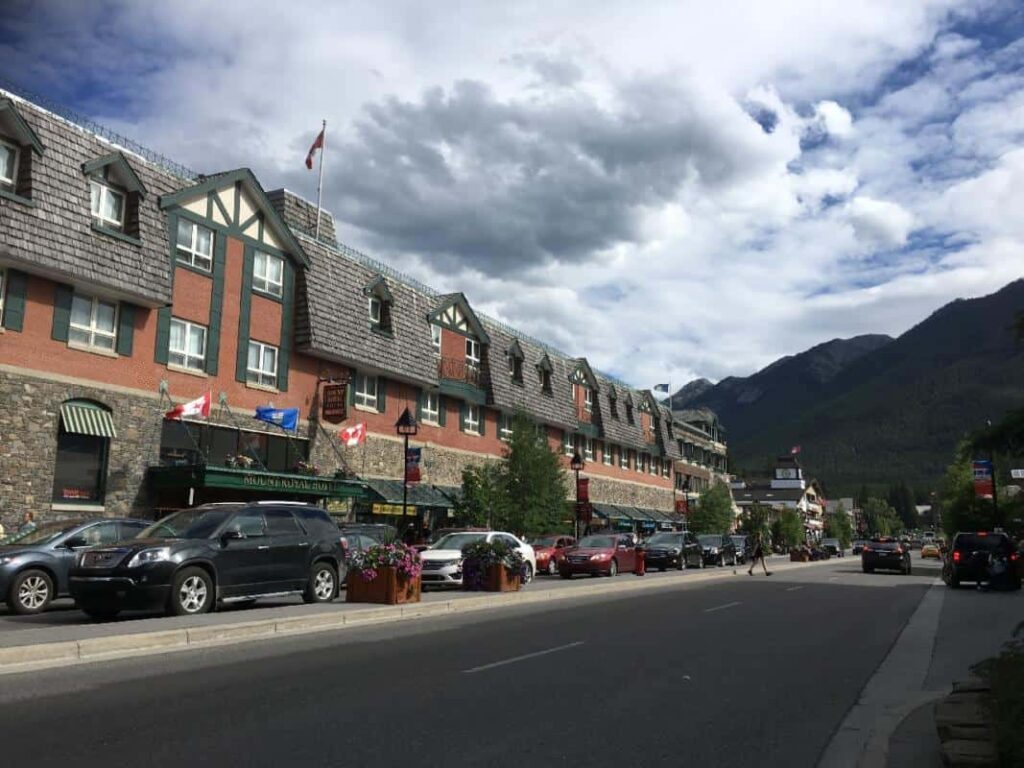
[38, 656]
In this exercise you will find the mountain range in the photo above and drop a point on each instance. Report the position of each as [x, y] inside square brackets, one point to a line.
[873, 410]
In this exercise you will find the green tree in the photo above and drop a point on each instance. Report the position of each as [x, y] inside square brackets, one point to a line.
[755, 519]
[484, 499]
[713, 513]
[839, 526]
[880, 518]
[535, 483]
[962, 510]
[788, 529]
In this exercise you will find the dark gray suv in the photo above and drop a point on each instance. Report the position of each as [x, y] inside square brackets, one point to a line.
[193, 559]
[34, 566]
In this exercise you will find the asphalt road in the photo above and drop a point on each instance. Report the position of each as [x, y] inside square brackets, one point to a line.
[758, 671]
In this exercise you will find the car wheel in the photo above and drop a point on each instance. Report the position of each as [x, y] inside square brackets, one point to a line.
[31, 592]
[528, 571]
[552, 567]
[613, 568]
[99, 611]
[323, 584]
[191, 593]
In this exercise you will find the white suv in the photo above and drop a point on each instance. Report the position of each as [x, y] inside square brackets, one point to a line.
[442, 562]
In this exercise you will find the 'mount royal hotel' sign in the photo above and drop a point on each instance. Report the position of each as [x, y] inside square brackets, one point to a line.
[206, 476]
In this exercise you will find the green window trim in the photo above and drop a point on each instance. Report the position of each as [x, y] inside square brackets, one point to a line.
[287, 322]
[115, 234]
[14, 302]
[163, 335]
[63, 295]
[216, 305]
[244, 305]
[125, 329]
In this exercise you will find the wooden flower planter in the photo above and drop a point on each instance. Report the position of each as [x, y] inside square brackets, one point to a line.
[389, 588]
[796, 556]
[498, 579]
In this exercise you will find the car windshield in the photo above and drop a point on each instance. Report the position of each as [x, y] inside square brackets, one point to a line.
[457, 540]
[665, 538]
[974, 542]
[45, 534]
[546, 541]
[198, 523]
[598, 542]
[709, 540]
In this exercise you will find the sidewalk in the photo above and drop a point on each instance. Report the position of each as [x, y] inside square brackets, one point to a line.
[62, 638]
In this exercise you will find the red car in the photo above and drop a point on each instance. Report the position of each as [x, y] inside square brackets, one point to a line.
[601, 553]
[549, 550]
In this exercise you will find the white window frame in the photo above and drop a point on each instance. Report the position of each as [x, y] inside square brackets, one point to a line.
[374, 305]
[263, 376]
[623, 458]
[505, 430]
[588, 448]
[11, 182]
[105, 190]
[472, 420]
[588, 399]
[365, 397]
[472, 353]
[184, 352]
[91, 329]
[569, 444]
[639, 465]
[431, 415]
[191, 255]
[269, 286]
[655, 467]
[606, 454]
[435, 336]
[666, 468]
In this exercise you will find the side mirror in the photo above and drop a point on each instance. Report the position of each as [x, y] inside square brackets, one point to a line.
[231, 535]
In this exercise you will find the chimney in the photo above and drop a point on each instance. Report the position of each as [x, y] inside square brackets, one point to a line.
[300, 214]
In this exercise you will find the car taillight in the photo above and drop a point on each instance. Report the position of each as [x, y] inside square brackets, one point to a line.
[956, 557]
[1015, 556]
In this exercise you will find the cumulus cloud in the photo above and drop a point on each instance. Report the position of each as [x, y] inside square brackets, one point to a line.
[880, 222]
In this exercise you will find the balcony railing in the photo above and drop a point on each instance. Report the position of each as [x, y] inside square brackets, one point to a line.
[456, 369]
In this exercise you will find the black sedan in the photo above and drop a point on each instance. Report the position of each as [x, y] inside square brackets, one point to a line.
[34, 568]
[717, 549]
[885, 554]
[672, 550]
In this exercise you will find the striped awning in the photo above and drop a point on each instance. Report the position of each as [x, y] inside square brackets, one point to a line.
[84, 419]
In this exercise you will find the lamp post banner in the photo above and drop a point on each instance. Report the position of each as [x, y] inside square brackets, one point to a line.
[413, 457]
[982, 471]
[583, 489]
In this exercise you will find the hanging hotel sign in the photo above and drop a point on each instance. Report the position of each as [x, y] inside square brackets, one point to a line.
[333, 406]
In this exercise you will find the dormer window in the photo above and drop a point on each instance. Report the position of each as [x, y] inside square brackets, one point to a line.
[374, 310]
[268, 274]
[107, 205]
[515, 362]
[588, 399]
[613, 405]
[545, 381]
[472, 353]
[629, 412]
[435, 336]
[378, 304]
[8, 164]
[194, 245]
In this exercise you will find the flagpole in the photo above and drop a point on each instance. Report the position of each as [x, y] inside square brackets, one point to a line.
[320, 180]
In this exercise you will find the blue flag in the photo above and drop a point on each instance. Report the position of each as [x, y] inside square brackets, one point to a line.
[285, 418]
[661, 388]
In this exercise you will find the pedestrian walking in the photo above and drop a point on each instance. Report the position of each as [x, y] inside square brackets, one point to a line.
[758, 555]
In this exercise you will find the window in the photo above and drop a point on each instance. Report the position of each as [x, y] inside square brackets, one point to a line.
[515, 368]
[545, 381]
[268, 274]
[629, 412]
[107, 205]
[195, 245]
[623, 458]
[281, 522]
[8, 164]
[93, 323]
[505, 426]
[431, 411]
[666, 468]
[473, 419]
[655, 466]
[613, 406]
[588, 399]
[568, 444]
[366, 391]
[435, 336]
[374, 310]
[606, 454]
[187, 347]
[588, 449]
[473, 353]
[262, 365]
[80, 473]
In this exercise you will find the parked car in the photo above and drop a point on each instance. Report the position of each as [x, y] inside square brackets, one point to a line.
[983, 557]
[834, 547]
[857, 546]
[600, 553]
[717, 549]
[742, 543]
[672, 550]
[193, 559]
[931, 549]
[382, 533]
[442, 561]
[549, 550]
[353, 541]
[34, 570]
[885, 554]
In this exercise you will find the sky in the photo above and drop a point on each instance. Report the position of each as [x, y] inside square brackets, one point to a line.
[671, 189]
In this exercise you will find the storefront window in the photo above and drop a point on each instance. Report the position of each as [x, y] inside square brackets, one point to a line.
[81, 468]
[220, 444]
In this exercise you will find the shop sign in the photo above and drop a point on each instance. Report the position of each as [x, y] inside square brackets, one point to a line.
[333, 406]
[982, 471]
[392, 509]
[279, 483]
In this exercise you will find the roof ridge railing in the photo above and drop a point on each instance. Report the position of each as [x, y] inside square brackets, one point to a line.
[98, 129]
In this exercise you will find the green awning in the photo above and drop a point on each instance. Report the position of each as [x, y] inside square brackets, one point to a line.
[609, 511]
[420, 494]
[85, 419]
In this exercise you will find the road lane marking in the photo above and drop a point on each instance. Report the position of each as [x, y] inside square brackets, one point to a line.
[793, 589]
[721, 607]
[524, 657]
[833, 578]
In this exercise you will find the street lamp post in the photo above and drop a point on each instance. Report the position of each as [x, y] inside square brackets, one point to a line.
[996, 522]
[576, 465]
[407, 427]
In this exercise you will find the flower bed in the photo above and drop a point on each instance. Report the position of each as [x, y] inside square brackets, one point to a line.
[384, 573]
[492, 566]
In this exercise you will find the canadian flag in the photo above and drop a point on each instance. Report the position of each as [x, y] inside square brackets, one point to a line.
[354, 435]
[318, 143]
[795, 450]
[198, 407]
